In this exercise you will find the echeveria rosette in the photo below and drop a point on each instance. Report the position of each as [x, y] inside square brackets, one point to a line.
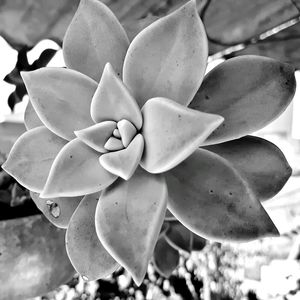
[105, 160]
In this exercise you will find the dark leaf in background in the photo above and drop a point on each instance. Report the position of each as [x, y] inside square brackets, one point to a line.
[5, 197]
[18, 195]
[22, 64]
[165, 257]
[20, 91]
[12, 100]
[5, 180]
[180, 238]
[43, 59]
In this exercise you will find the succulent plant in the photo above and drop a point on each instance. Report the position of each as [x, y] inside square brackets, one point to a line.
[129, 130]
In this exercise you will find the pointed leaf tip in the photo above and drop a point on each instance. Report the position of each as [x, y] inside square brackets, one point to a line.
[267, 88]
[123, 163]
[76, 171]
[127, 132]
[129, 217]
[61, 98]
[87, 254]
[31, 157]
[210, 198]
[84, 48]
[97, 135]
[168, 58]
[113, 101]
[172, 132]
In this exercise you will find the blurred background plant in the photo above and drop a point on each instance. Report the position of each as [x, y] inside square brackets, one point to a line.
[32, 33]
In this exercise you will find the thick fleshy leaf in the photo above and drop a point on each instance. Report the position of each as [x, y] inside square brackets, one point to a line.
[31, 119]
[97, 135]
[165, 258]
[179, 237]
[209, 197]
[248, 91]
[123, 163]
[116, 133]
[31, 157]
[127, 131]
[57, 210]
[113, 144]
[76, 171]
[61, 98]
[86, 253]
[172, 132]
[94, 38]
[129, 217]
[260, 162]
[168, 58]
[112, 100]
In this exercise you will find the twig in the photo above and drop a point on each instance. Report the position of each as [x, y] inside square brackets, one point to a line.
[261, 37]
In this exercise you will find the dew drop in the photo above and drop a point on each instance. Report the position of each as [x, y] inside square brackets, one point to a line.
[84, 278]
[53, 208]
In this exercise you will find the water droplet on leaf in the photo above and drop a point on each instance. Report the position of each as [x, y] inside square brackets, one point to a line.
[54, 208]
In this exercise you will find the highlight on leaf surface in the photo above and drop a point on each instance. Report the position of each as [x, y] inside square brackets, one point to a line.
[127, 131]
[168, 58]
[97, 135]
[123, 163]
[94, 38]
[113, 101]
[172, 132]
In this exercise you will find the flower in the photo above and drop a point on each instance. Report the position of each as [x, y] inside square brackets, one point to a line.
[105, 160]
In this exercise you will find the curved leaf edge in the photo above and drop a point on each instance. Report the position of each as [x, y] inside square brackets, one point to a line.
[273, 231]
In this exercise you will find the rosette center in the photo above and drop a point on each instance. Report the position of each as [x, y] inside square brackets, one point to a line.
[119, 144]
[121, 136]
